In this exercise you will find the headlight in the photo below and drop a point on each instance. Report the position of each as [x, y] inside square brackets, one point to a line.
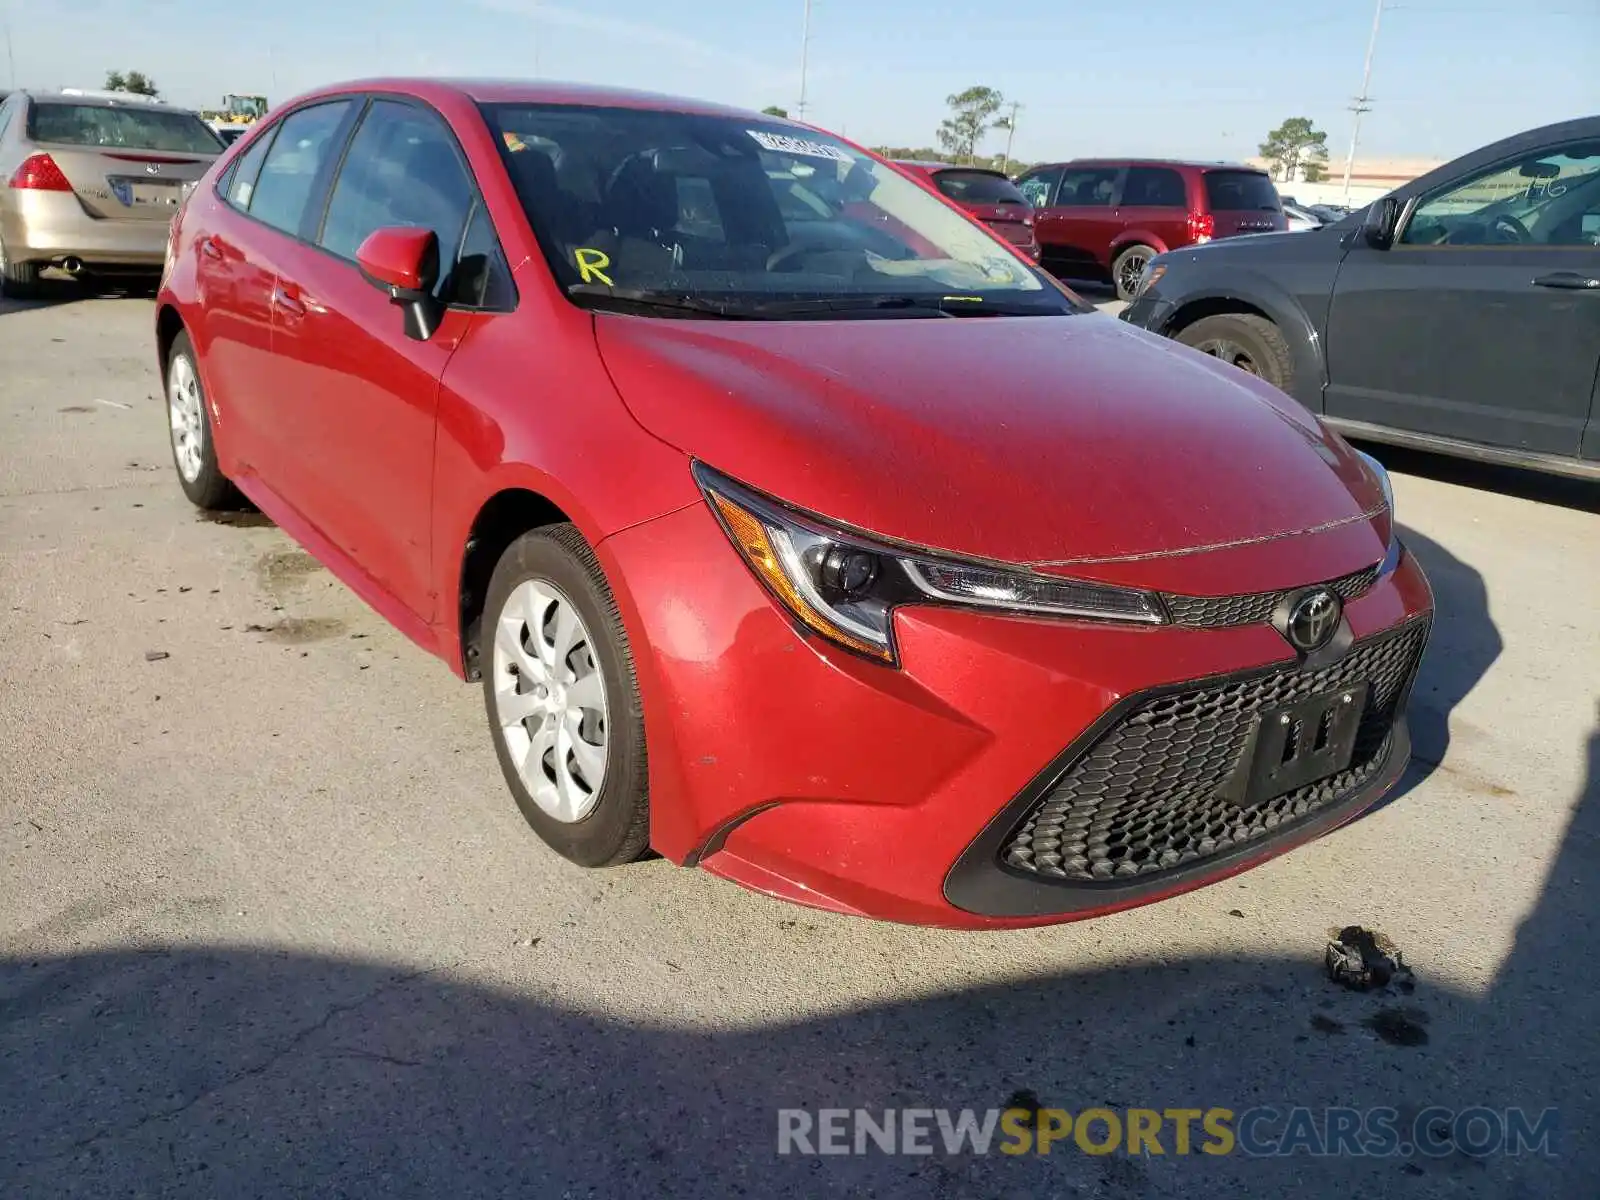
[1391, 557]
[845, 586]
[1148, 277]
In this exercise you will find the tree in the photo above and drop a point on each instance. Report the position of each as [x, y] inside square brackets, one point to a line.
[1294, 144]
[1314, 171]
[972, 114]
[772, 110]
[136, 82]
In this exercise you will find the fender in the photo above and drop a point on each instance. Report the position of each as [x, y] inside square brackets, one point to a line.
[1246, 290]
[1136, 237]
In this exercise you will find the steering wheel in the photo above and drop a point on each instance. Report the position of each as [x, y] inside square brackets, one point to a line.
[1505, 223]
[785, 254]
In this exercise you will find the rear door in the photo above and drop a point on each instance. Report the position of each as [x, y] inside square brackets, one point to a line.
[1482, 321]
[1154, 208]
[268, 193]
[1077, 227]
[126, 162]
[991, 198]
[366, 394]
[1242, 202]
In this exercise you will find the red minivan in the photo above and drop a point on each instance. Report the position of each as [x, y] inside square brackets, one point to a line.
[987, 195]
[1105, 219]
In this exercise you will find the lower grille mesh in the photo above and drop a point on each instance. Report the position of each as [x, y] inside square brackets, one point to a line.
[1144, 798]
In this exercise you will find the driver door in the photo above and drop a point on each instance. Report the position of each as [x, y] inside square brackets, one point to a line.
[1481, 322]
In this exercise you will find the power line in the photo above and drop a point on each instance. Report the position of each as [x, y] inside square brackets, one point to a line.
[1361, 104]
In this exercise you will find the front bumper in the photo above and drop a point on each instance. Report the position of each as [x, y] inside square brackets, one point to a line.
[816, 776]
[1148, 311]
[51, 226]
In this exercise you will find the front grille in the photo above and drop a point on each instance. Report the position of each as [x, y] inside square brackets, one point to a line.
[1144, 798]
[1214, 612]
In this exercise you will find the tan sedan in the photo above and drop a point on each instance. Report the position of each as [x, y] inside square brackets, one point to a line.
[89, 181]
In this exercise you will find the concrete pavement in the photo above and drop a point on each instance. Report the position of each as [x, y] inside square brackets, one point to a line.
[270, 925]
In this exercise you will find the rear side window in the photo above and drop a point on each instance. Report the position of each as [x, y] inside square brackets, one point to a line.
[1240, 191]
[978, 187]
[402, 169]
[1154, 187]
[1088, 187]
[242, 175]
[123, 127]
[289, 172]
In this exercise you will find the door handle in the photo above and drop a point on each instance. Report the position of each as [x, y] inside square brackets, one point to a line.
[286, 303]
[1570, 281]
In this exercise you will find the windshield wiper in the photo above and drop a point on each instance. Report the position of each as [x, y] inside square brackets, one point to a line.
[650, 298]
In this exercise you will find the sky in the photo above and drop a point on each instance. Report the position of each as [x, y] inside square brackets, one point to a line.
[1179, 78]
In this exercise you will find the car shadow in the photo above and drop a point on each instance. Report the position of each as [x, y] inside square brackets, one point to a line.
[1580, 494]
[240, 1071]
[1463, 645]
[55, 289]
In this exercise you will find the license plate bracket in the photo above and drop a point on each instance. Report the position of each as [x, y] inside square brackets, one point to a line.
[1293, 745]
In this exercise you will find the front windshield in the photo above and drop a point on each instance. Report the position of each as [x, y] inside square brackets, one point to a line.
[744, 213]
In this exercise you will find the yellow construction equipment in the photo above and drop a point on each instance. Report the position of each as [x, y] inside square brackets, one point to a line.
[236, 110]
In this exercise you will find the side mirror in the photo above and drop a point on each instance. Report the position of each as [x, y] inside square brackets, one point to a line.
[404, 261]
[1378, 226]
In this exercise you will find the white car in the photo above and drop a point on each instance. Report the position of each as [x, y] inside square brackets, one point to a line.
[1299, 219]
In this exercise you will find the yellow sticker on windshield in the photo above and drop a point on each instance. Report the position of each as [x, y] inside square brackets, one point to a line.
[592, 264]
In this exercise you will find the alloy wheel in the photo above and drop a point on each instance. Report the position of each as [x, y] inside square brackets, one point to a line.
[186, 417]
[1132, 269]
[1231, 353]
[550, 700]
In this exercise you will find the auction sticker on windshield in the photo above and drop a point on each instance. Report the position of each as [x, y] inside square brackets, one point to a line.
[783, 144]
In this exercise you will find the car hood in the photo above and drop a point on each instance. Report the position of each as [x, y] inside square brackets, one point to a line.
[1051, 441]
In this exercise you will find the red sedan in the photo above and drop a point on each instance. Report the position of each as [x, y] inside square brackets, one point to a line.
[985, 194]
[794, 526]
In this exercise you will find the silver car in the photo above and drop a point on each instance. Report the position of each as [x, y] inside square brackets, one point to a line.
[89, 181]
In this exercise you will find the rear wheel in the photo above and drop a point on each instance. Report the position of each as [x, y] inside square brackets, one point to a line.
[18, 280]
[1128, 269]
[189, 423]
[563, 699]
[1244, 340]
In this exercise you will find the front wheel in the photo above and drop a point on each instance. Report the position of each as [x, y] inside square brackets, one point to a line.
[1244, 340]
[563, 699]
[1128, 268]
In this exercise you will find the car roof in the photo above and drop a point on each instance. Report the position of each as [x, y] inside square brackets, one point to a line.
[538, 91]
[934, 167]
[100, 99]
[1190, 164]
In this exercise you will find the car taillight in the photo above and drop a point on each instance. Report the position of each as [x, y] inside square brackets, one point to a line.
[1201, 226]
[40, 173]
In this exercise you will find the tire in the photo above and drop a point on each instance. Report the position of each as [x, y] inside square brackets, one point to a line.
[1244, 340]
[18, 280]
[1126, 269]
[543, 707]
[194, 454]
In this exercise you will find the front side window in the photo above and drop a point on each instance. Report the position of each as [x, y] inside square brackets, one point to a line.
[1036, 188]
[1546, 199]
[718, 215]
[1088, 187]
[401, 169]
[283, 188]
[121, 127]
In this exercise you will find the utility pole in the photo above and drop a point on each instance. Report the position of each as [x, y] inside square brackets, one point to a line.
[1011, 133]
[1361, 104]
[805, 47]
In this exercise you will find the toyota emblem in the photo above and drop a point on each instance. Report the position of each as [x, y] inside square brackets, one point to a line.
[1313, 619]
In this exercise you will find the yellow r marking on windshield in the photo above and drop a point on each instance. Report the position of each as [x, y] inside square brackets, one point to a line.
[592, 264]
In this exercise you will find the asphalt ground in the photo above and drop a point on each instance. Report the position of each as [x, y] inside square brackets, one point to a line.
[270, 925]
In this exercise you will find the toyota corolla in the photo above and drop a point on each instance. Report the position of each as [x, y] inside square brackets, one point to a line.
[793, 525]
